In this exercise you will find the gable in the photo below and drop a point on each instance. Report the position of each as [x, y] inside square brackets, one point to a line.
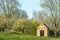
[42, 27]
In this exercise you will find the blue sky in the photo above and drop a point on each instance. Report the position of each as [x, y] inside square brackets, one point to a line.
[30, 6]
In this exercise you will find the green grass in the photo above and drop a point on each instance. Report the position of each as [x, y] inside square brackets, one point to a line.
[8, 36]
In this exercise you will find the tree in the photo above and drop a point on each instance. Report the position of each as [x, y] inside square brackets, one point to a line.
[11, 9]
[20, 25]
[23, 14]
[9, 6]
[52, 12]
[3, 23]
[33, 27]
[39, 16]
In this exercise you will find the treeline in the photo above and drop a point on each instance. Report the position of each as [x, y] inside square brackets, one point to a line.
[15, 20]
[49, 15]
[18, 25]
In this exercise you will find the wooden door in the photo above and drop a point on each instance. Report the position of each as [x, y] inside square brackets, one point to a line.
[41, 32]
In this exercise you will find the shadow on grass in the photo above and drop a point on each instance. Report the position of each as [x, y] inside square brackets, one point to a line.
[55, 36]
[1, 39]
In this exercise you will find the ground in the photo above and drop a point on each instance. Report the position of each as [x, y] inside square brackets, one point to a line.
[8, 36]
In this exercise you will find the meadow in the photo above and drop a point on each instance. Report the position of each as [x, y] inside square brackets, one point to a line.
[9, 36]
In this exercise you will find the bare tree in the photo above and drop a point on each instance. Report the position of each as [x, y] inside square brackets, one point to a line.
[53, 12]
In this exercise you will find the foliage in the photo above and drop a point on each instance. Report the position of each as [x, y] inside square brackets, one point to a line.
[15, 20]
[3, 22]
[20, 25]
[9, 12]
[25, 26]
[33, 27]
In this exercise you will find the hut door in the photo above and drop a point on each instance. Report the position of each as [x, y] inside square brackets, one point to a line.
[41, 32]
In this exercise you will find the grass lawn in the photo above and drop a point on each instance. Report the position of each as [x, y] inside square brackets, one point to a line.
[8, 36]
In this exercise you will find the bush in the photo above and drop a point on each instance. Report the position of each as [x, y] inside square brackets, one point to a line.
[17, 33]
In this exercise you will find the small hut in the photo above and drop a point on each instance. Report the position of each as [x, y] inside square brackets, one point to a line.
[42, 30]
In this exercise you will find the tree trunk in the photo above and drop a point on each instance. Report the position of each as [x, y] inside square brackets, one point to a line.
[55, 34]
